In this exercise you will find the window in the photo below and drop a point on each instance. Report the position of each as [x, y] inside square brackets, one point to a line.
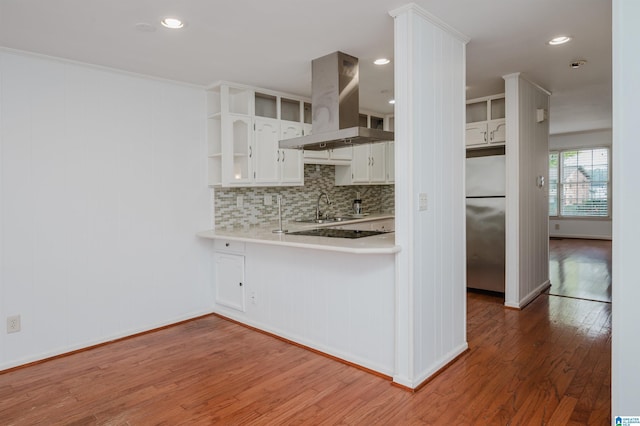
[553, 184]
[579, 183]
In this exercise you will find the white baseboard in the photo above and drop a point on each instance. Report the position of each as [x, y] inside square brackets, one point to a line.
[535, 293]
[369, 364]
[84, 345]
[433, 369]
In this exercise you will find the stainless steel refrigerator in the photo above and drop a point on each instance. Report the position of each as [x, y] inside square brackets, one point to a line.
[485, 186]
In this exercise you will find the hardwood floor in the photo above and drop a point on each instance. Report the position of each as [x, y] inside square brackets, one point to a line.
[548, 364]
[580, 268]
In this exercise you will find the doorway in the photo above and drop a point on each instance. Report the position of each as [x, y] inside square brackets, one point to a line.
[580, 268]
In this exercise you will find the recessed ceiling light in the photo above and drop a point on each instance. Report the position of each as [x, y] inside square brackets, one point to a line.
[173, 23]
[381, 61]
[559, 40]
[392, 101]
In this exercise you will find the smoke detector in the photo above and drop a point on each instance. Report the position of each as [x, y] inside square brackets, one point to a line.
[577, 63]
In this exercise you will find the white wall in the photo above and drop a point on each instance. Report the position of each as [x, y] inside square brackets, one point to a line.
[339, 303]
[527, 241]
[102, 190]
[430, 154]
[581, 228]
[626, 204]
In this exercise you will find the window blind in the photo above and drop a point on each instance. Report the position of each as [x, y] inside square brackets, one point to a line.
[581, 179]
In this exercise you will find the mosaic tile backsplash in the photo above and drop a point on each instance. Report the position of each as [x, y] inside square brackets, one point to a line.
[298, 202]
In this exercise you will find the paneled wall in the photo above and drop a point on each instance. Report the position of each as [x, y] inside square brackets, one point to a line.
[101, 194]
[581, 228]
[339, 303]
[626, 228]
[430, 154]
[527, 215]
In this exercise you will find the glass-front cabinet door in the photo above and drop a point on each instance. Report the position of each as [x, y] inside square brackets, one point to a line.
[239, 129]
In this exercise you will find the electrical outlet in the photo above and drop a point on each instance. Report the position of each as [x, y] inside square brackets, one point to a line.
[239, 201]
[268, 200]
[13, 324]
[557, 226]
[253, 296]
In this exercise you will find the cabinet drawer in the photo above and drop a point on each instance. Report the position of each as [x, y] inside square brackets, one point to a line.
[229, 246]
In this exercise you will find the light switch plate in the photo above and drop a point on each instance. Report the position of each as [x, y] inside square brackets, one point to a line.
[422, 201]
[239, 201]
[268, 200]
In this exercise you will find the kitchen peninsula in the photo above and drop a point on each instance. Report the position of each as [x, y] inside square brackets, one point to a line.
[377, 244]
[334, 295]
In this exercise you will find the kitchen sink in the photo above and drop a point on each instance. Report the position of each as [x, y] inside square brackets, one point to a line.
[325, 220]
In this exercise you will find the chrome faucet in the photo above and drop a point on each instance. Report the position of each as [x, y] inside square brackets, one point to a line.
[318, 213]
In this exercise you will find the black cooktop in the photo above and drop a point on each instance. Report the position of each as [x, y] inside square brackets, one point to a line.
[336, 233]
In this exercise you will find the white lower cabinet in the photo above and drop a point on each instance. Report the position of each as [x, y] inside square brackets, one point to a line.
[229, 280]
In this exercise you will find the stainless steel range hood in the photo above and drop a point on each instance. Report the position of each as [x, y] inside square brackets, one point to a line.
[335, 107]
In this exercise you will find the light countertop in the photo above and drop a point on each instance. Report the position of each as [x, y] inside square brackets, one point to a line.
[375, 244]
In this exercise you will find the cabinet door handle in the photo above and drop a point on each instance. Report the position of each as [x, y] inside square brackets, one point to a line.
[373, 161]
[240, 284]
[485, 136]
[277, 156]
[226, 244]
[283, 156]
[250, 152]
[491, 135]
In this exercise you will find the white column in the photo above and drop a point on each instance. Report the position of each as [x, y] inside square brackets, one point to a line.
[430, 154]
[626, 205]
[527, 213]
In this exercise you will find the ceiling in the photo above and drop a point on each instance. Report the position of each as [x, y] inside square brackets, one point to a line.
[270, 44]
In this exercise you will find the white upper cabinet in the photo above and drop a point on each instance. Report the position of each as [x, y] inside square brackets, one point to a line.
[267, 154]
[391, 165]
[244, 127]
[486, 121]
[291, 165]
[238, 141]
[370, 161]
[361, 163]
[369, 165]
[229, 135]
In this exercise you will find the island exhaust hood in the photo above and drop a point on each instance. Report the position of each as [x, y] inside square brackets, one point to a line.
[335, 107]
